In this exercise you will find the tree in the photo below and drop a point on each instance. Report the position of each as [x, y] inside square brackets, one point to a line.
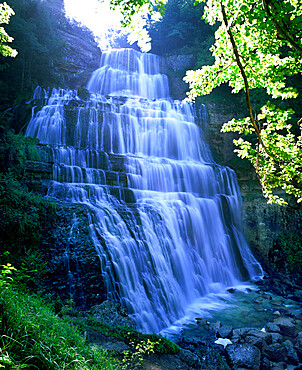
[181, 30]
[40, 50]
[130, 8]
[5, 13]
[258, 45]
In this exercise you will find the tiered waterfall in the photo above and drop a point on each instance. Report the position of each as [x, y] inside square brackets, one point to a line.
[164, 217]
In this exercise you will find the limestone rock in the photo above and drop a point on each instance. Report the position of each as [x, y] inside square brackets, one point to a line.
[244, 355]
[225, 331]
[112, 314]
[292, 356]
[284, 352]
[286, 326]
[276, 337]
[272, 328]
[267, 337]
[189, 358]
[255, 341]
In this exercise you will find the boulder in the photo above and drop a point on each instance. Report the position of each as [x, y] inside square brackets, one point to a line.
[292, 356]
[275, 352]
[276, 338]
[267, 337]
[255, 341]
[286, 326]
[284, 352]
[241, 332]
[225, 332]
[272, 328]
[111, 313]
[189, 358]
[265, 364]
[244, 355]
[278, 366]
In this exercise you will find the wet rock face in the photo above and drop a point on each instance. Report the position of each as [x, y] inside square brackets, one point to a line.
[112, 314]
[74, 269]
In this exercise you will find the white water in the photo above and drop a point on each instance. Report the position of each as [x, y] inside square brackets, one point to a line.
[164, 218]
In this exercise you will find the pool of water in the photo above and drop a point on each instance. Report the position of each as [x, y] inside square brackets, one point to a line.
[244, 306]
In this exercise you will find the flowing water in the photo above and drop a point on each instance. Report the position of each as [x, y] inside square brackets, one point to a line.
[164, 217]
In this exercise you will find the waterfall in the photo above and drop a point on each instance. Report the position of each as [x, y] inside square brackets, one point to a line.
[164, 217]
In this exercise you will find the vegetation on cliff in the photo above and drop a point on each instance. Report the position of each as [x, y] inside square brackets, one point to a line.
[182, 31]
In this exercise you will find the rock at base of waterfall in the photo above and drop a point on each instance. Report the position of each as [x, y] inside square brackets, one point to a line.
[243, 355]
[286, 326]
[112, 314]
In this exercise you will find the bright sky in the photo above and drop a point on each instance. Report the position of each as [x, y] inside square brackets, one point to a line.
[94, 14]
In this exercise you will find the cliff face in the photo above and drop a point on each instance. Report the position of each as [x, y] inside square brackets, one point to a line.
[176, 67]
[82, 54]
[82, 57]
[263, 223]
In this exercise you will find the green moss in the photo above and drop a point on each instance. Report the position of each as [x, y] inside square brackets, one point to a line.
[133, 337]
[291, 245]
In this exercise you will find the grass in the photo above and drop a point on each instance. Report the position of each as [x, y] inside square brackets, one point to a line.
[33, 337]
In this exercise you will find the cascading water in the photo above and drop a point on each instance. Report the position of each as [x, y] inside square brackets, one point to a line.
[164, 217]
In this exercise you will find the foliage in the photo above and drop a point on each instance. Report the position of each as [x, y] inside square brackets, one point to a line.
[129, 9]
[5, 278]
[181, 30]
[5, 13]
[251, 52]
[32, 336]
[40, 49]
[23, 214]
[135, 359]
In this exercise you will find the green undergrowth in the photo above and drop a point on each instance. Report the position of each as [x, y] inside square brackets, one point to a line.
[130, 336]
[24, 212]
[34, 337]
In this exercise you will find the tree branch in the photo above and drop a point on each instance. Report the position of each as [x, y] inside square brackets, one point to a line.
[243, 74]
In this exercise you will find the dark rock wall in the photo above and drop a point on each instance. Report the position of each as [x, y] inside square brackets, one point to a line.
[263, 223]
[74, 269]
[176, 67]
